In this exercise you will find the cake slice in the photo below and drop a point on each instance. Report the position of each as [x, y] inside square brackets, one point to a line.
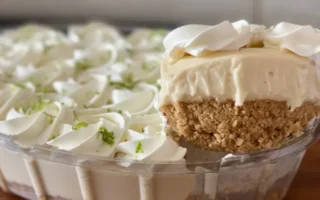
[235, 98]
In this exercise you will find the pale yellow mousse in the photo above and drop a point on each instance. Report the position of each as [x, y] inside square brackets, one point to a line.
[247, 74]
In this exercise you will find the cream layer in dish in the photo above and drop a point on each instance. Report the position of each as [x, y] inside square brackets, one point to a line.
[247, 74]
[43, 179]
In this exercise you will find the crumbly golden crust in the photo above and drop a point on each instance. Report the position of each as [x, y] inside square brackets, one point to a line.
[261, 124]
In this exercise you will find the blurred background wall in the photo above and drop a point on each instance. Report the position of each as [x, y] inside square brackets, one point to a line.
[162, 12]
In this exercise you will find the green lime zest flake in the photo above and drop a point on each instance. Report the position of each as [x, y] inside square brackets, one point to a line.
[20, 85]
[148, 66]
[130, 52]
[107, 36]
[82, 65]
[127, 82]
[139, 147]
[47, 48]
[26, 32]
[157, 32]
[97, 93]
[64, 91]
[36, 107]
[79, 125]
[105, 57]
[107, 136]
[53, 137]
[109, 101]
[159, 48]
[158, 86]
[50, 118]
[121, 60]
[155, 83]
[114, 110]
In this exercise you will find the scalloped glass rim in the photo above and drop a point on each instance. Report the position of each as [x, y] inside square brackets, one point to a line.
[226, 161]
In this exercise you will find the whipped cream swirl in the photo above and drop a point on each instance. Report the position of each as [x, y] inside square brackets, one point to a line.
[197, 40]
[302, 40]
[36, 124]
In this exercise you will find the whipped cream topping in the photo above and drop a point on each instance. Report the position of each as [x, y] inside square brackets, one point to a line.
[302, 40]
[198, 40]
[94, 139]
[11, 96]
[149, 142]
[90, 91]
[35, 125]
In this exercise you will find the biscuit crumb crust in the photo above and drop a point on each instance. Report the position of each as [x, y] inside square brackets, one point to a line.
[257, 125]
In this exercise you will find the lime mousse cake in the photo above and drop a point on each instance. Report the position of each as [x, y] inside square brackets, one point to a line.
[237, 87]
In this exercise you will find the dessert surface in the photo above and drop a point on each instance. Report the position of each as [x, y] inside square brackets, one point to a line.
[88, 91]
[91, 94]
[92, 90]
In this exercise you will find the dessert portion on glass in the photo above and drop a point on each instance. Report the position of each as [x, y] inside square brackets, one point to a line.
[78, 118]
[240, 87]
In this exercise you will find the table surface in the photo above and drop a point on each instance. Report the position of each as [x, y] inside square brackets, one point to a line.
[305, 186]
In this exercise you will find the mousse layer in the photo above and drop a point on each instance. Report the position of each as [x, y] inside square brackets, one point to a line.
[261, 124]
[247, 74]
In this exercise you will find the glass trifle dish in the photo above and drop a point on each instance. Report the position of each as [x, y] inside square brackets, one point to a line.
[220, 112]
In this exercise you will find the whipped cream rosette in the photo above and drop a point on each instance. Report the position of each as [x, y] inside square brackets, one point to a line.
[121, 118]
[33, 32]
[36, 45]
[139, 122]
[105, 58]
[145, 67]
[44, 77]
[147, 39]
[63, 99]
[12, 95]
[95, 135]
[93, 34]
[35, 124]
[302, 40]
[142, 66]
[157, 148]
[93, 92]
[96, 56]
[57, 51]
[197, 39]
[137, 100]
[146, 140]
[21, 54]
